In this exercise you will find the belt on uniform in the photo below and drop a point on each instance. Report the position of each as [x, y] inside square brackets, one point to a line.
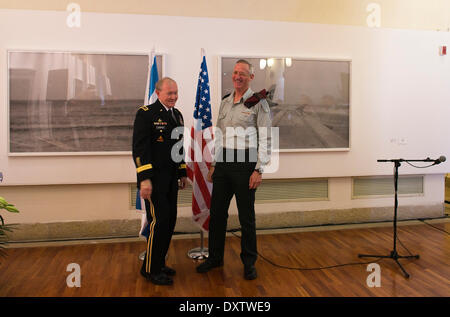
[237, 155]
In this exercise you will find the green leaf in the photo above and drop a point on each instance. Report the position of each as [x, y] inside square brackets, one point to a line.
[3, 202]
[11, 208]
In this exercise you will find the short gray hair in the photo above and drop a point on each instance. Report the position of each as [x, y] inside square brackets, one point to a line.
[250, 66]
[160, 83]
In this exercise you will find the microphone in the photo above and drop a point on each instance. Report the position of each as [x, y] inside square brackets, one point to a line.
[440, 160]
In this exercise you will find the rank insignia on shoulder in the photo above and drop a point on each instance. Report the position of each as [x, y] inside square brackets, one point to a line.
[255, 98]
[145, 108]
[227, 95]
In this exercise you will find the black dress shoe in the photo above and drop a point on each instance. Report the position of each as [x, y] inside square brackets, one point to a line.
[209, 265]
[160, 279]
[145, 274]
[168, 271]
[250, 272]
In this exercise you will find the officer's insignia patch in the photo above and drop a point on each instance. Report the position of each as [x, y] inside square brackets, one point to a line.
[255, 98]
[160, 124]
[160, 139]
[145, 108]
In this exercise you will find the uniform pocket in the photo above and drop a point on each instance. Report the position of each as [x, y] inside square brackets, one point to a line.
[245, 118]
[222, 115]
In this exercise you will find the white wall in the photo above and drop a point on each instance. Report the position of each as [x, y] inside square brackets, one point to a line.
[53, 203]
[400, 85]
[400, 89]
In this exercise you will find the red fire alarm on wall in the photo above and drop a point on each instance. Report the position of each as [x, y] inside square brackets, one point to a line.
[442, 50]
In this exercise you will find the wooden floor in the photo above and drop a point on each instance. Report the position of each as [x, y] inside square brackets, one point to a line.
[112, 269]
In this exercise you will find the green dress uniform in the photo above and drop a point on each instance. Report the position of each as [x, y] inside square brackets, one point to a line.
[152, 155]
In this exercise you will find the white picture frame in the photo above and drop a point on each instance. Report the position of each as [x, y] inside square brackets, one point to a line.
[313, 111]
[65, 109]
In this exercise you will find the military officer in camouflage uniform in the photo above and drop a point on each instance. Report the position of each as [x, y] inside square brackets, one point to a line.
[241, 152]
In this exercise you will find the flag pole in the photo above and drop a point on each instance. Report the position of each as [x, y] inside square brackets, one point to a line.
[201, 252]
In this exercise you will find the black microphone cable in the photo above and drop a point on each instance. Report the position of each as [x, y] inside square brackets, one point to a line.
[440, 160]
[443, 230]
[420, 166]
[307, 268]
[233, 232]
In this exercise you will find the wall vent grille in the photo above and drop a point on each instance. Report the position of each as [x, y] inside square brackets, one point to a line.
[270, 190]
[384, 186]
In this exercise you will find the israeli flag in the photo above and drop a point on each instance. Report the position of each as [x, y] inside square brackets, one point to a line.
[151, 96]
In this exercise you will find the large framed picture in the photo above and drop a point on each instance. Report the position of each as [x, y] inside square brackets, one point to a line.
[309, 99]
[72, 103]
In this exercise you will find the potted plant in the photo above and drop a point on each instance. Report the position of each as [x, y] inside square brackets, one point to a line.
[5, 228]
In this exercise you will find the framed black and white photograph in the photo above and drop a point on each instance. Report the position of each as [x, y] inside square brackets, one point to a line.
[74, 103]
[309, 99]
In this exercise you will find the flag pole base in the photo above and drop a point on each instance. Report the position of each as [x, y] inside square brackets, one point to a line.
[200, 253]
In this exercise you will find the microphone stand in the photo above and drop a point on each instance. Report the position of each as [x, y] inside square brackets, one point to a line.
[394, 254]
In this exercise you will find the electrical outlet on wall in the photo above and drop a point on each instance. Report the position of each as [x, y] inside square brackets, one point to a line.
[402, 141]
[399, 140]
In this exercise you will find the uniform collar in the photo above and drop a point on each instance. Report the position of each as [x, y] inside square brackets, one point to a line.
[164, 106]
[245, 96]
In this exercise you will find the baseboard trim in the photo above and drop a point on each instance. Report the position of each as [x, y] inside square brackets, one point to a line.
[66, 232]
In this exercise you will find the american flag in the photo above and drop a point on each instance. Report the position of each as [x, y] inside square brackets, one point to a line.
[200, 151]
